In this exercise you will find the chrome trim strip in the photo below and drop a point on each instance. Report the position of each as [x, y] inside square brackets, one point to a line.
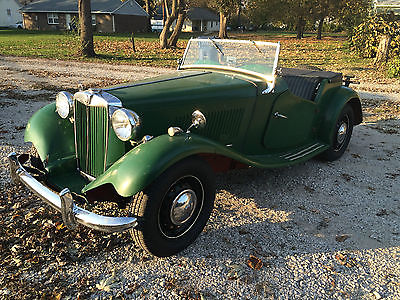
[306, 153]
[155, 81]
[75, 140]
[87, 176]
[87, 138]
[98, 98]
[291, 154]
[185, 53]
[82, 216]
[107, 133]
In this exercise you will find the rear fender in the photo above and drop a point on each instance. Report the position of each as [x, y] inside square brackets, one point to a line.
[144, 163]
[331, 106]
[52, 136]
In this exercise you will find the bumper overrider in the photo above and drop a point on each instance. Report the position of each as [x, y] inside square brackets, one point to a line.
[64, 203]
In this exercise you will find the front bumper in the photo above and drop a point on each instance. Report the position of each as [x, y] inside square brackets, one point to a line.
[64, 203]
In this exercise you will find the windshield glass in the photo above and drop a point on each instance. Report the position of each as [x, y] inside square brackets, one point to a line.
[257, 58]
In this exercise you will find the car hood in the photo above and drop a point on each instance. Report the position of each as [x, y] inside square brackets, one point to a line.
[183, 86]
[169, 100]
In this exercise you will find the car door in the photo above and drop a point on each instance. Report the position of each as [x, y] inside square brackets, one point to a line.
[291, 123]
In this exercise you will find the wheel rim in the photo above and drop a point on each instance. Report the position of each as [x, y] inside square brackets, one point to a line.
[181, 206]
[342, 132]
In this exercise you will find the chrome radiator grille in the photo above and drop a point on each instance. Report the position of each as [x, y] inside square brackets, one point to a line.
[91, 137]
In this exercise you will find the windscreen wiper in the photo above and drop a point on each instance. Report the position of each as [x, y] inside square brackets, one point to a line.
[255, 45]
[216, 47]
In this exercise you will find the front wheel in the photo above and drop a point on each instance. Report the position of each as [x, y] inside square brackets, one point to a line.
[174, 209]
[342, 135]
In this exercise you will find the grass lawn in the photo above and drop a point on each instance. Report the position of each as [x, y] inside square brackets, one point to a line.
[332, 53]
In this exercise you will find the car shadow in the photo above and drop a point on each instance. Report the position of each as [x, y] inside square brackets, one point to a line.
[349, 204]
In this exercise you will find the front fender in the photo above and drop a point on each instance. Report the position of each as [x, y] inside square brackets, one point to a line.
[331, 106]
[52, 136]
[144, 163]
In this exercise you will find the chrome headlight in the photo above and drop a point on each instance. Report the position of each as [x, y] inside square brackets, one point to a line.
[125, 123]
[64, 104]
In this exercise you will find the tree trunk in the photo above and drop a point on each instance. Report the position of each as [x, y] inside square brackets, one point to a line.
[147, 6]
[85, 20]
[222, 26]
[177, 30]
[300, 28]
[239, 13]
[382, 54]
[320, 25]
[170, 19]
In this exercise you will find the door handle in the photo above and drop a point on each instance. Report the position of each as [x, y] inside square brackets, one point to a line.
[278, 115]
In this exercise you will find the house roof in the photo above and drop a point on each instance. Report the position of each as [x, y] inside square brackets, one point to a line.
[194, 14]
[201, 13]
[115, 7]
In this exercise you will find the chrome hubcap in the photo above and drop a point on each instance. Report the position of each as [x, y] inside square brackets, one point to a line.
[341, 134]
[183, 207]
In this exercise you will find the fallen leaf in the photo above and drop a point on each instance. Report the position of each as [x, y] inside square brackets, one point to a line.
[346, 177]
[254, 262]
[235, 272]
[382, 213]
[106, 284]
[342, 237]
[344, 260]
[60, 226]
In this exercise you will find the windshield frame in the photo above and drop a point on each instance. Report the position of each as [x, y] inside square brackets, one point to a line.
[267, 77]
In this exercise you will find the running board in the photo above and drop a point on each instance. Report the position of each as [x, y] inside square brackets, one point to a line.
[291, 156]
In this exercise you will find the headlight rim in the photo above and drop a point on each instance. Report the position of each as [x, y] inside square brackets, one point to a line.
[69, 97]
[134, 122]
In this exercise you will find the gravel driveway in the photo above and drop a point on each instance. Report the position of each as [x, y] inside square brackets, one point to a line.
[314, 230]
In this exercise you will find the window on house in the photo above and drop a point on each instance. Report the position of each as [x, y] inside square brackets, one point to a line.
[8, 12]
[93, 20]
[52, 18]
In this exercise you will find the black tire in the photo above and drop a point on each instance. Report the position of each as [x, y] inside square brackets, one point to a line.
[340, 140]
[159, 233]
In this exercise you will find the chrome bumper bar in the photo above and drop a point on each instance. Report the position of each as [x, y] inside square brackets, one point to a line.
[64, 203]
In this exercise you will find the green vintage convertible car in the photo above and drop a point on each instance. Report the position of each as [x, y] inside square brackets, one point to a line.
[153, 146]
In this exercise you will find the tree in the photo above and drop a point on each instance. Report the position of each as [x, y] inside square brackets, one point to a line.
[173, 39]
[85, 21]
[300, 11]
[177, 12]
[353, 13]
[225, 8]
[348, 13]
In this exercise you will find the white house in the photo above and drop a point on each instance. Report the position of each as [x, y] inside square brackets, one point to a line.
[198, 19]
[201, 19]
[9, 12]
[387, 5]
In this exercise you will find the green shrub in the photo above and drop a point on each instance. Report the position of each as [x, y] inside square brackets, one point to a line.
[365, 38]
[393, 67]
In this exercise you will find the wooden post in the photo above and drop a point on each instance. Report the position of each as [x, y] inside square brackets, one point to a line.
[133, 43]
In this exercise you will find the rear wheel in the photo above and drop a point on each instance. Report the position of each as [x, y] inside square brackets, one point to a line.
[342, 135]
[174, 209]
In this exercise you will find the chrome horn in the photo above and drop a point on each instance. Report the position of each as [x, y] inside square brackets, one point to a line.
[198, 120]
